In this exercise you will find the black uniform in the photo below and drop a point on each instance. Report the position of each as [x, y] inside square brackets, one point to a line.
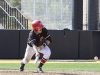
[39, 39]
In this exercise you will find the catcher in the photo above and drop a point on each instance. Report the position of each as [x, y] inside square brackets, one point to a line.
[37, 43]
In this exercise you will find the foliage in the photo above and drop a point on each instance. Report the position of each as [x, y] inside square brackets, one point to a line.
[15, 3]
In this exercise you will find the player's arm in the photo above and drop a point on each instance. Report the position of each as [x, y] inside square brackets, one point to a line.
[47, 37]
[32, 42]
[36, 51]
[47, 42]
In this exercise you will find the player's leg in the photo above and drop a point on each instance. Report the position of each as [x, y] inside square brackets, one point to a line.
[46, 54]
[27, 57]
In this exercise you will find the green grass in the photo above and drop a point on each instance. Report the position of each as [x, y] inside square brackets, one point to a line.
[55, 66]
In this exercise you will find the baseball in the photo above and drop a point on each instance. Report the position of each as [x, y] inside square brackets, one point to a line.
[96, 58]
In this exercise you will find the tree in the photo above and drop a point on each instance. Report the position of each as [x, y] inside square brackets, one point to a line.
[15, 3]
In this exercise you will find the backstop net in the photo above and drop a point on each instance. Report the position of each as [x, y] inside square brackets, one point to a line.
[54, 14]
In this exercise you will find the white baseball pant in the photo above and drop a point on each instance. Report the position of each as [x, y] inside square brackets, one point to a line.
[30, 52]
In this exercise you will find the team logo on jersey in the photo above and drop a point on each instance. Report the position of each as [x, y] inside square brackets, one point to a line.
[41, 38]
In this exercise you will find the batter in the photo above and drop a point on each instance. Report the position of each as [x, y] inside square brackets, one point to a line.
[37, 43]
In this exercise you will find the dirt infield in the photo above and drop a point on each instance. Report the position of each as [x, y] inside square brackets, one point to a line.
[28, 72]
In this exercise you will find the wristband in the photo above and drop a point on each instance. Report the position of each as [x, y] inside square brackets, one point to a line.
[44, 44]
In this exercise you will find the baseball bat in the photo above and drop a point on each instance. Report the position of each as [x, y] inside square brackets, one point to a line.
[36, 60]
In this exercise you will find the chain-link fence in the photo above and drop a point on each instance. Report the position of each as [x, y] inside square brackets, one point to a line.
[54, 14]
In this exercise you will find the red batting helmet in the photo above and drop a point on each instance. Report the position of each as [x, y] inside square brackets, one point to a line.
[36, 25]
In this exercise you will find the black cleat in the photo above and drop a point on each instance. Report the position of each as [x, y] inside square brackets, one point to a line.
[39, 70]
[21, 67]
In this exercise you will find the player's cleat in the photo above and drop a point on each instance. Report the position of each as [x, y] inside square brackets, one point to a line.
[21, 67]
[39, 70]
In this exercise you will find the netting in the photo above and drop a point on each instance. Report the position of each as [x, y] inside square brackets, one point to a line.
[54, 14]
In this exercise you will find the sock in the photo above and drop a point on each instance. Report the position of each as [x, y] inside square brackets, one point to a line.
[43, 60]
[23, 64]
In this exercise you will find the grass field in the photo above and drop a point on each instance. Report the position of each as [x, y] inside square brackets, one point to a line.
[72, 67]
[80, 66]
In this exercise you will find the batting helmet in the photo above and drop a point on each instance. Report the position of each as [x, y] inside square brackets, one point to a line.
[36, 25]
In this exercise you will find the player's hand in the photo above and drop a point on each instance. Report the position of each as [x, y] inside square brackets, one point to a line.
[37, 54]
[47, 42]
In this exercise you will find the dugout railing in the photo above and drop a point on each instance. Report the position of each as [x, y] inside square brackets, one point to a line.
[13, 11]
[10, 22]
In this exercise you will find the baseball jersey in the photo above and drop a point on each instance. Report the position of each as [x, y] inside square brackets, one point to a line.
[38, 39]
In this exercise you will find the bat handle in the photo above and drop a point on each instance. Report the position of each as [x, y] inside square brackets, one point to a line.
[36, 60]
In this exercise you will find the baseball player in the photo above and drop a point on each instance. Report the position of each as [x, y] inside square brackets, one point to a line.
[37, 43]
